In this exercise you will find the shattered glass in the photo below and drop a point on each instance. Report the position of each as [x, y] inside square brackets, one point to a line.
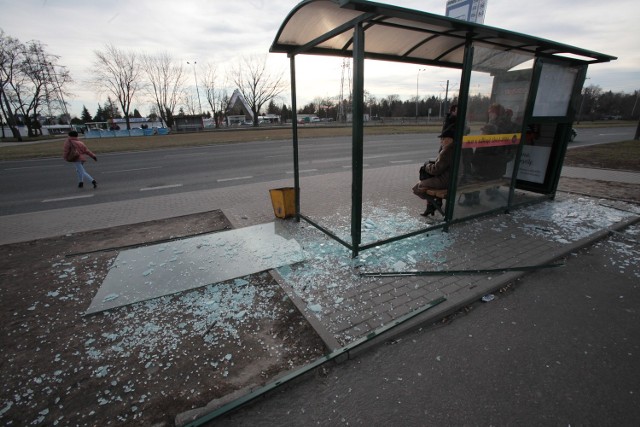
[157, 270]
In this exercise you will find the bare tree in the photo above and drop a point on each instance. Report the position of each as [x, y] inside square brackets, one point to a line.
[43, 86]
[589, 101]
[214, 93]
[166, 84]
[28, 82]
[120, 74]
[369, 101]
[9, 67]
[256, 84]
[190, 103]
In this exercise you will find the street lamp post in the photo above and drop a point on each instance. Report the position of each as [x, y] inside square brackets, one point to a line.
[445, 110]
[196, 79]
[417, 98]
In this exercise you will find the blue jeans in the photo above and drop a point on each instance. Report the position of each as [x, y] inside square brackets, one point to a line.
[81, 172]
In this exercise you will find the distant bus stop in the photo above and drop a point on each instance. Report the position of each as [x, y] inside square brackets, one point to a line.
[535, 83]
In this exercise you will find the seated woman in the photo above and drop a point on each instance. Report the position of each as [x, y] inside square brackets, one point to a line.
[440, 173]
[489, 163]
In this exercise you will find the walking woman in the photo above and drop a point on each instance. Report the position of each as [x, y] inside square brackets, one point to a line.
[75, 152]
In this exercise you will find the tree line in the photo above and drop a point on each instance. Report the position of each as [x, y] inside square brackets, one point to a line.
[126, 76]
[33, 85]
[32, 82]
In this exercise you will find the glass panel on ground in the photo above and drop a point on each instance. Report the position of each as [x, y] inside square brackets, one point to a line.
[152, 271]
[498, 92]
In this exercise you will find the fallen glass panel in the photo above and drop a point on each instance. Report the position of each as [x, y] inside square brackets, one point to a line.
[153, 271]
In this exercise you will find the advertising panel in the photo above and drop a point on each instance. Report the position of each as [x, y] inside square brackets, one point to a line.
[496, 140]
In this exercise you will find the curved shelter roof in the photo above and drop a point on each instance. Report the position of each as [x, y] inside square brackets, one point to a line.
[362, 30]
[324, 27]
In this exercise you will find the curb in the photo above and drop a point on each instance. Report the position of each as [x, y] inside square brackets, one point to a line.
[443, 310]
[454, 304]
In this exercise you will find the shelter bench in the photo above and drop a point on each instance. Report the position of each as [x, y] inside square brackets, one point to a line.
[469, 187]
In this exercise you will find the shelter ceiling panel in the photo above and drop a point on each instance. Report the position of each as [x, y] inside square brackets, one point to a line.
[398, 34]
[313, 20]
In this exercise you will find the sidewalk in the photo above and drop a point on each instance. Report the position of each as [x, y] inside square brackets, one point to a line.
[60, 138]
[601, 174]
[339, 303]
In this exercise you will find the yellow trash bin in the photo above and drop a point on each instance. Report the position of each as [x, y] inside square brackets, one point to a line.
[284, 201]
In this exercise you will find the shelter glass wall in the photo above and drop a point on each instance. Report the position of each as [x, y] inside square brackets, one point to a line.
[498, 93]
[554, 92]
[324, 163]
[391, 162]
[548, 131]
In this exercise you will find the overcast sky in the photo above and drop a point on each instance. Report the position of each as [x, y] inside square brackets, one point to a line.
[221, 31]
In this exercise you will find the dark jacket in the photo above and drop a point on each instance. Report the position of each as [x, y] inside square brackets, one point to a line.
[449, 126]
[441, 168]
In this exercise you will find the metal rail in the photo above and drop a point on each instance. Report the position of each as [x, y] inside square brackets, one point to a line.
[319, 362]
[459, 272]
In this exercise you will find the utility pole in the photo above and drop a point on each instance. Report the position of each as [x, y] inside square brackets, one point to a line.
[446, 97]
[196, 79]
[637, 137]
[417, 98]
[346, 75]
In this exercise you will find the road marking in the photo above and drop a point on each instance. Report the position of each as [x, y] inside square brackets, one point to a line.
[234, 179]
[401, 161]
[364, 165]
[133, 170]
[195, 153]
[161, 187]
[303, 171]
[61, 199]
[33, 167]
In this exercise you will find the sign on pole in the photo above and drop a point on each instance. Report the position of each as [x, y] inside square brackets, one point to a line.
[467, 10]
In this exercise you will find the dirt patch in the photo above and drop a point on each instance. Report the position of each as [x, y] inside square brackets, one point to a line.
[624, 155]
[602, 189]
[141, 364]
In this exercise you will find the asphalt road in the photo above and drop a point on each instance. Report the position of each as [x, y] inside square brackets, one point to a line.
[35, 185]
[560, 348]
[43, 184]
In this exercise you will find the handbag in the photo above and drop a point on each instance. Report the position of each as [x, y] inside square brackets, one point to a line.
[423, 174]
[72, 154]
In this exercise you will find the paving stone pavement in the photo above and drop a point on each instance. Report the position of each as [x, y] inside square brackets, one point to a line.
[348, 307]
[339, 303]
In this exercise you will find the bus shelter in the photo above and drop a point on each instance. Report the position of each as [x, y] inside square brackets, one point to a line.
[513, 159]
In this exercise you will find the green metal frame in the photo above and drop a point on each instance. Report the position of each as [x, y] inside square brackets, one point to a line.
[531, 98]
[461, 272]
[549, 187]
[465, 80]
[373, 10]
[261, 391]
[357, 137]
[294, 128]
[467, 33]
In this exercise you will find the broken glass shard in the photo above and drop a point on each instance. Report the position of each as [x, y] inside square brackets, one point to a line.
[157, 270]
